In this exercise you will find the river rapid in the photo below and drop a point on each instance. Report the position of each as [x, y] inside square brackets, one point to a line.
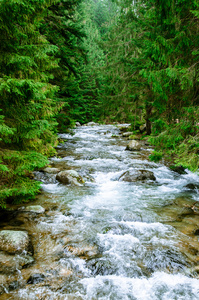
[110, 239]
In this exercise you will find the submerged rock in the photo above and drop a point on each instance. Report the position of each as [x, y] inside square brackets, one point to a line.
[102, 267]
[137, 175]
[14, 241]
[11, 263]
[36, 278]
[70, 177]
[133, 145]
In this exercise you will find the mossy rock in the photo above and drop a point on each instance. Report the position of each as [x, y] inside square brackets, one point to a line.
[134, 137]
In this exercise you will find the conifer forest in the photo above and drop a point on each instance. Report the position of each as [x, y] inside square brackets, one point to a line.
[107, 61]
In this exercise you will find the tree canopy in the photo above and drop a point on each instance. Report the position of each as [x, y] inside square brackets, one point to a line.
[112, 60]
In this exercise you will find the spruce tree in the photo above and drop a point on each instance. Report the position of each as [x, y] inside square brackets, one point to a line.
[27, 97]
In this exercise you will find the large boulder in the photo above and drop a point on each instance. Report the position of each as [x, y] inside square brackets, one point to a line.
[12, 241]
[70, 177]
[133, 145]
[11, 263]
[137, 175]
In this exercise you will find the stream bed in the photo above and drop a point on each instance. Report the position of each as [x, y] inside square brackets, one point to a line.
[109, 239]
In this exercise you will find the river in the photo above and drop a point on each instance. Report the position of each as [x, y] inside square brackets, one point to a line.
[110, 239]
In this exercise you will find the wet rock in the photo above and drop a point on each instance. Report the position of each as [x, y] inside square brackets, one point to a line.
[133, 145]
[102, 267]
[36, 278]
[65, 272]
[196, 269]
[45, 177]
[14, 285]
[178, 169]
[77, 124]
[166, 259]
[196, 232]
[51, 170]
[38, 209]
[134, 137]
[137, 175]
[70, 177]
[11, 263]
[9, 283]
[92, 124]
[192, 186]
[14, 241]
[86, 252]
[127, 134]
[124, 127]
[189, 211]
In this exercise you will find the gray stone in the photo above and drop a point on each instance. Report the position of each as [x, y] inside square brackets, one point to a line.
[70, 177]
[11, 263]
[133, 145]
[92, 124]
[127, 134]
[137, 175]
[77, 124]
[34, 209]
[14, 241]
[51, 170]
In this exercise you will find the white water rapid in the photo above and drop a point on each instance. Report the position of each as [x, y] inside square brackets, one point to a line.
[110, 239]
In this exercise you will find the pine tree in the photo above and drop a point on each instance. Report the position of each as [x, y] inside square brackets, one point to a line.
[27, 97]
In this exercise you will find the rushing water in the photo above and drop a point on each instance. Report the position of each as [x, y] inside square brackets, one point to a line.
[111, 239]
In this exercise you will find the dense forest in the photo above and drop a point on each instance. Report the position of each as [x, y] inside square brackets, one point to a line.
[95, 60]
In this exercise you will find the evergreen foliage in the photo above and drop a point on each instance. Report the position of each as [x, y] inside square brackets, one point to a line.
[112, 60]
[62, 28]
[27, 97]
[152, 73]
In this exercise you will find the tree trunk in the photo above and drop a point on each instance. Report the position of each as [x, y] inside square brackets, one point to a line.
[148, 116]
